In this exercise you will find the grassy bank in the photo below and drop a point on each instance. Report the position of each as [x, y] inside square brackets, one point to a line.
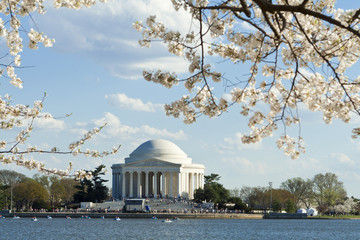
[336, 217]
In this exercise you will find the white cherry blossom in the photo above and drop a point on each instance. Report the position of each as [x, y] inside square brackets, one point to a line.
[12, 151]
[299, 52]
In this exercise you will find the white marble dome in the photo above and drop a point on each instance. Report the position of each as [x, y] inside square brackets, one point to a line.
[159, 149]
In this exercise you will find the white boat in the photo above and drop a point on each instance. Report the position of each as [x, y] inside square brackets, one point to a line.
[67, 217]
[16, 217]
[117, 219]
[48, 217]
[34, 219]
[167, 221]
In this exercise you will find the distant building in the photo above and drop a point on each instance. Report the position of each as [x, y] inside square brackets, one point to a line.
[157, 168]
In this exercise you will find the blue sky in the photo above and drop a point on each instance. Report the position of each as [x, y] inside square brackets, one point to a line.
[94, 71]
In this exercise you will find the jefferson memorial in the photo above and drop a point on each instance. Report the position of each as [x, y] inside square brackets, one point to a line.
[157, 168]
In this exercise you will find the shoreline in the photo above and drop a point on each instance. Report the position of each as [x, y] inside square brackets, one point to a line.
[166, 215]
[137, 215]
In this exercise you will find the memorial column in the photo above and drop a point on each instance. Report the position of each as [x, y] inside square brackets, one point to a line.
[116, 185]
[202, 180]
[155, 184]
[191, 182]
[195, 181]
[179, 183]
[146, 184]
[131, 184]
[163, 193]
[138, 189]
[113, 185]
[184, 182]
[123, 190]
[171, 185]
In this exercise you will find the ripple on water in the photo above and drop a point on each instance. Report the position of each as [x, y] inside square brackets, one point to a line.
[95, 228]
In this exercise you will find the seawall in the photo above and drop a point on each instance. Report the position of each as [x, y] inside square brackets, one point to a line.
[274, 215]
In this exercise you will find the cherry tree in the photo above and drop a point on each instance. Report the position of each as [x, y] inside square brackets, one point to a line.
[299, 54]
[13, 13]
[347, 207]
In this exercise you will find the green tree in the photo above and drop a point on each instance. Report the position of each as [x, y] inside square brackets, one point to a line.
[290, 206]
[56, 191]
[213, 191]
[69, 185]
[212, 178]
[8, 179]
[28, 192]
[42, 179]
[92, 190]
[101, 192]
[54, 188]
[81, 194]
[328, 191]
[4, 195]
[239, 204]
[276, 205]
[199, 195]
[281, 196]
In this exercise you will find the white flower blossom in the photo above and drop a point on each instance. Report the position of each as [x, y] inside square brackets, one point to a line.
[12, 32]
[293, 59]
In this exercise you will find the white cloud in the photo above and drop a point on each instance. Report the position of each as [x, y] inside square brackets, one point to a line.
[172, 64]
[116, 129]
[246, 165]
[122, 101]
[104, 34]
[49, 123]
[342, 158]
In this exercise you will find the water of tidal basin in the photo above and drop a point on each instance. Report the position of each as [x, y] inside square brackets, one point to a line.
[233, 229]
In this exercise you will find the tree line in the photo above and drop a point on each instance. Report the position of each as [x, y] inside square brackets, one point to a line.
[48, 192]
[325, 192]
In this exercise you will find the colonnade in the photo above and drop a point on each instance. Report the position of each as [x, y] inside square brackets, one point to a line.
[160, 183]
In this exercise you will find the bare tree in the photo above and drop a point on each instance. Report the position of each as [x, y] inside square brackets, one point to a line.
[9, 178]
[301, 189]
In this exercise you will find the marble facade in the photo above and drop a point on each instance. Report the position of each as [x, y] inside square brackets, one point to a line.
[157, 168]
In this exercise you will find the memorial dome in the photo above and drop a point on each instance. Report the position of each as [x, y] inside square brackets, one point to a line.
[158, 149]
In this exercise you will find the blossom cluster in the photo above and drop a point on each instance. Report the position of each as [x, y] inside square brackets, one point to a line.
[19, 160]
[12, 31]
[347, 207]
[297, 58]
[20, 116]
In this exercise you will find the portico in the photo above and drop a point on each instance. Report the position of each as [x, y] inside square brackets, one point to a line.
[157, 168]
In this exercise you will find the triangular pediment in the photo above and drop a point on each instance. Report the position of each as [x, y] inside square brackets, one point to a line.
[152, 163]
